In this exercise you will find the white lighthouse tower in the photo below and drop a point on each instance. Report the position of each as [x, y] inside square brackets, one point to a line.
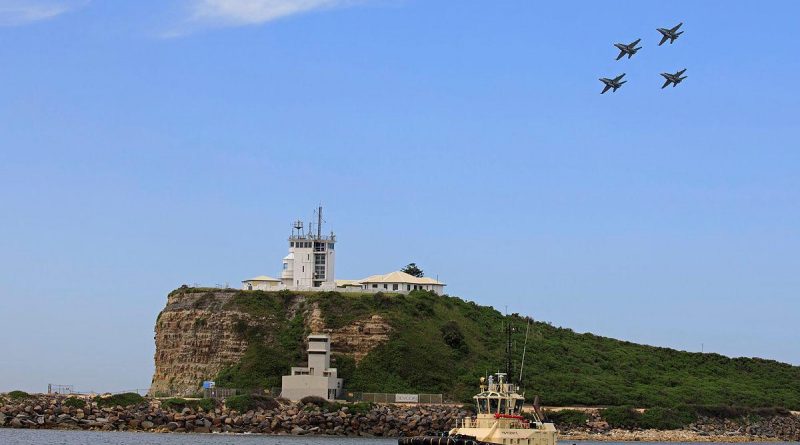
[311, 259]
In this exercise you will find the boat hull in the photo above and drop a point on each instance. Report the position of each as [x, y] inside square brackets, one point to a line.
[440, 440]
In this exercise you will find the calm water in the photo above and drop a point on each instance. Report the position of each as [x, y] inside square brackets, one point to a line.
[51, 437]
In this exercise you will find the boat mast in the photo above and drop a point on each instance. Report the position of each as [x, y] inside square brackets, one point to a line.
[524, 348]
[508, 348]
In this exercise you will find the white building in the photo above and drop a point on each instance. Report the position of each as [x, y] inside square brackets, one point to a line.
[310, 266]
[261, 282]
[400, 282]
[311, 261]
[316, 379]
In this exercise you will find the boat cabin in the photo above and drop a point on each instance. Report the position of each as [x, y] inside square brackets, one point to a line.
[499, 398]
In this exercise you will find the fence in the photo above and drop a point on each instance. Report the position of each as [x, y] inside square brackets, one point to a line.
[219, 393]
[374, 397]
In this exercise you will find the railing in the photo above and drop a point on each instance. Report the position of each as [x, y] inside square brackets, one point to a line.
[219, 393]
[374, 397]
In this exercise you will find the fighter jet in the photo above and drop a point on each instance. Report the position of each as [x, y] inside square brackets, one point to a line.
[629, 49]
[612, 83]
[670, 34]
[673, 79]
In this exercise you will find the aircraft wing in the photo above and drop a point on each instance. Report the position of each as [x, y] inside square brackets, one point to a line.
[663, 39]
[676, 27]
[621, 53]
[665, 84]
[618, 78]
[608, 87]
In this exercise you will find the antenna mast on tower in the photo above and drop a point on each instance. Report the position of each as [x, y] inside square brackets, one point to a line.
[319, 222]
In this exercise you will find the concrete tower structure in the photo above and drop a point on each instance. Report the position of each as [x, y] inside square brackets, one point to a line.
[311, 261]
[316, 379]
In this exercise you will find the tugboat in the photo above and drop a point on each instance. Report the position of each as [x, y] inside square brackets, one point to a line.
[498, 421]
[499, 418]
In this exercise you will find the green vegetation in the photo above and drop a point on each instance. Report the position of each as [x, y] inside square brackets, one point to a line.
[124, 399]
[442, 344]
[18, 395]
[74, 402]
[680, 416]
[247, 402]
[567, 417]
[413, 269]
[178, 404]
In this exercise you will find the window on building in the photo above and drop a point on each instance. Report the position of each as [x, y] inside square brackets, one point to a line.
[395, 286]
[330, 246]
[386, 286]
[408, 287]
[291, 244]
[285, 266]
[374, 286]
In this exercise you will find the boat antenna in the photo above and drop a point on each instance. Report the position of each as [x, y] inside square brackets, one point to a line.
[524, 348]
[508, 348]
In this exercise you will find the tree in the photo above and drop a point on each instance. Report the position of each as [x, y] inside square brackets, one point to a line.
[412, 269]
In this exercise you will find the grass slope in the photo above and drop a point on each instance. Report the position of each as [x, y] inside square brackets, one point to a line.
[443, 344]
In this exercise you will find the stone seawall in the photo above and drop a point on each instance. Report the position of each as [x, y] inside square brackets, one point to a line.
[152, 415]
[51, 412]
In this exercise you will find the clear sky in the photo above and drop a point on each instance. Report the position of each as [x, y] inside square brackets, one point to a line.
[148, 144]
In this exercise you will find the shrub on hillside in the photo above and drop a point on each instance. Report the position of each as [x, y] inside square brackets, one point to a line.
[665, 418]
[178, 404]
[453, 337]
[734, 412]
[314, 400]
[567, 417]
[247, 402]
[360, 407]
[124, 399]
[621, 416]
[18, 395]
[74, 402]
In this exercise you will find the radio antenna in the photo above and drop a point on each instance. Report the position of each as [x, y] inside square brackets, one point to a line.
[524, 348]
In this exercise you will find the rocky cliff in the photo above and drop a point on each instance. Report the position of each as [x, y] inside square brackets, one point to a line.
[202, 332]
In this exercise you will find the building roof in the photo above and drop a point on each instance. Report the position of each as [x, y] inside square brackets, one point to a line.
[342, 283]
[261, 278]
[401, 277]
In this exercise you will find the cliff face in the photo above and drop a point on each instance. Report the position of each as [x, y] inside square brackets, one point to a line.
[199, 334]
[195, 340]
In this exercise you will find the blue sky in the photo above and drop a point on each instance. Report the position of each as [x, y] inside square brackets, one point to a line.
[148, 144]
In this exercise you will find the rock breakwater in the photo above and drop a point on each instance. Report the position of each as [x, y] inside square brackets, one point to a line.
[154, 415]
[53, 412]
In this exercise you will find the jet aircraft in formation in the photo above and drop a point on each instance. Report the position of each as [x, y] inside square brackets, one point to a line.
[629, 49]
[673, 79]
[612, 83]
[669, 34]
